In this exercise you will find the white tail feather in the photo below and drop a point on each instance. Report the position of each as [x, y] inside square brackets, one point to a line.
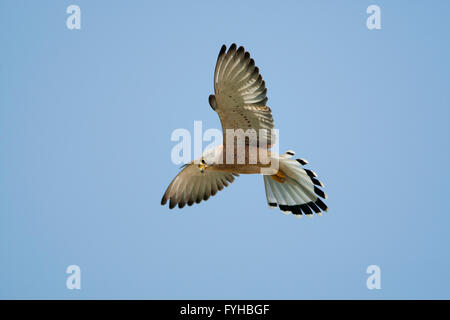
[298, 192]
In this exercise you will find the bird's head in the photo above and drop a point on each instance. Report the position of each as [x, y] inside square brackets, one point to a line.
[202, 165]
[209, 159]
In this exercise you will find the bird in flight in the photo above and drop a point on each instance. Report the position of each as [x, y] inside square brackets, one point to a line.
[240, 101]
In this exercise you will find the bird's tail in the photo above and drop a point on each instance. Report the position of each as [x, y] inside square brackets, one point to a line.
[294, 189]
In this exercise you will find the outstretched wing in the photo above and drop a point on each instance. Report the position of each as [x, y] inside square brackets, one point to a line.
[190, 185]
[240, 94]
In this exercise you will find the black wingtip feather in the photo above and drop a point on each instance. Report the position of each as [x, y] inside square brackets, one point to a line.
[321, 205]
[317, 182]
[306, 209]
[310, 173]
[313, 206]
[320, 193]
[302, 162]
[240, 49]
[296, 210]
[212, 101]
[222, 50]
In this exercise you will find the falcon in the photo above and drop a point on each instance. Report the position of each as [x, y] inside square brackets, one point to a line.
[240, 100]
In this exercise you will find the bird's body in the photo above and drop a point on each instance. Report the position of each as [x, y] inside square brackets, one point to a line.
[244, 164]
[248, 130]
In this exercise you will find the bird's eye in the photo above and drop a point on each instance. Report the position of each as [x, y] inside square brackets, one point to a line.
[203, 161]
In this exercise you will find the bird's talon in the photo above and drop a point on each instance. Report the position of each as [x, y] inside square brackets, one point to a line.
[279, 177]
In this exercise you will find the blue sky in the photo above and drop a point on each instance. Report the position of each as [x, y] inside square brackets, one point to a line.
[85, 123]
